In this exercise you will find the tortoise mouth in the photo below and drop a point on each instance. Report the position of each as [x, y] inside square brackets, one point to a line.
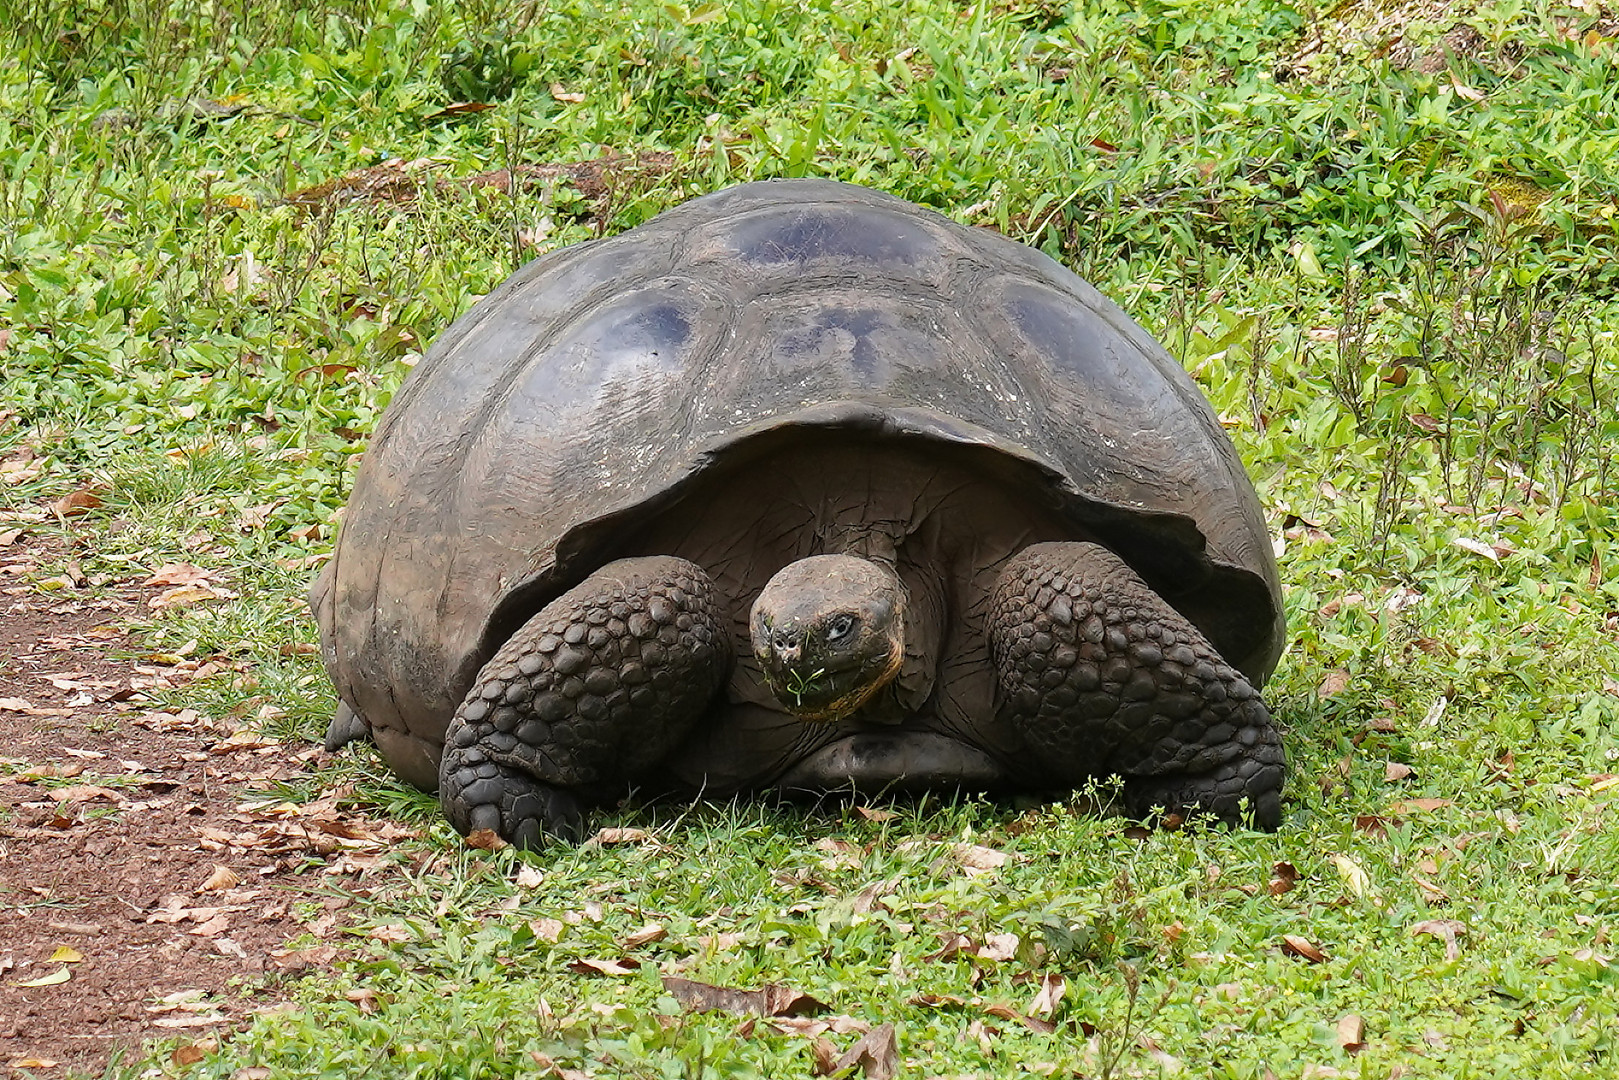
[820, 696]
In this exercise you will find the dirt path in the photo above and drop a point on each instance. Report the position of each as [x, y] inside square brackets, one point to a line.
[150, 879]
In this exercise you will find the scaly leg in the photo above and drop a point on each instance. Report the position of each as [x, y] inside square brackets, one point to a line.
[1102, 677]
[591, 692]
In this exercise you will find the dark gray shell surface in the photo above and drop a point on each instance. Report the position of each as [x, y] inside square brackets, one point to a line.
[588, 392]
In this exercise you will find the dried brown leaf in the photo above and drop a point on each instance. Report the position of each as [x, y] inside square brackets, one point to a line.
[80, 501]
[485, 840]
[1335, 682]
[825, 1054]
[185, 595]
[977, 859]
[81, 793]
[876, 1053]
[223, 877]
[1304, 948]
[1446, 930]
[1406, 806]
[189, 1054]
[622, 836]
[1033, 1023]
[621, 967]
[459, 108]
[1352, 1033]
[1394, 771]
[547, 929]
[212, 928]
[1050, 994]
[181, 574]
[645, 936]
[1284, 875]
[775, 999]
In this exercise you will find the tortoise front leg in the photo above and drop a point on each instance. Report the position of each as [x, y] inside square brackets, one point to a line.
[589, 694]
[1101, 676]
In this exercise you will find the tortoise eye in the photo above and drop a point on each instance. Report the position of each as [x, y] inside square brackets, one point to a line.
[840, 627]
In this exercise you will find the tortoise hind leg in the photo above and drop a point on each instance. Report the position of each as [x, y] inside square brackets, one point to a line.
[1101, 676]
[586, 696]
[347, 726]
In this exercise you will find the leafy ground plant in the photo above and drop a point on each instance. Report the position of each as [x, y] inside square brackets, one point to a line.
[1380, 237]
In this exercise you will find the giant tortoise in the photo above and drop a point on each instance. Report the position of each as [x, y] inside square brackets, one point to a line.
[801, 487]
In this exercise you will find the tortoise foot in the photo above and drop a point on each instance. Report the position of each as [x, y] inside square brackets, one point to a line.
[1102, 677]
[347, 726]
[1246, 791]
[586, 696]
[481, 794]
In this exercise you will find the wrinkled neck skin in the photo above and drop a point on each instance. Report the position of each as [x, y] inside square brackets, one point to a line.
[829, 631]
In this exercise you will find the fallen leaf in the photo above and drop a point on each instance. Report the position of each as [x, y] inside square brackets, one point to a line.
[1293, 945]
[876, 1053]
[212, 928]
[547, 929]
[185, 595]
[1394, 771]
[1431, 892]
[1283, 877]
[1446, 930]
[223, 877]
[31, 1063]
[188, 1054]
[825, 1053]
[364, 997]
[1463, 90]
[55, 978]
[562, 95]
[622, 966]
[394, 933]
[871, 814]
[80, 793]
[1408, 805]
[1352, 1033]
[191, 1020]
[81, 501]
[1033, 1023]
[976, 859]
[529, 877]
[645, 936]
[622, 836]
[180, 574]
[66, 954]
[485, 840]
[15, 704]
[1353, 874]
[460, 108]
[1052, 988]
[1477, 547]
[1335, 682]
[775, 999]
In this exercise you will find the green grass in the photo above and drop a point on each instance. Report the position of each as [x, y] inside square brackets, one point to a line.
[1389, 263]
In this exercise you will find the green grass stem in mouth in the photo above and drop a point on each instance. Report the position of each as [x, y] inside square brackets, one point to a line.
[1381, 240]
[799, 684]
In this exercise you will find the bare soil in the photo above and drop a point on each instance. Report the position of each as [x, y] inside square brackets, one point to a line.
[150, 877]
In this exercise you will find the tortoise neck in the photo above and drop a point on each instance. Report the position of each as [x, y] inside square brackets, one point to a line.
[874, 541]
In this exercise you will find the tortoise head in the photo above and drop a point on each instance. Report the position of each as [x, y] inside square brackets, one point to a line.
[829, 632]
